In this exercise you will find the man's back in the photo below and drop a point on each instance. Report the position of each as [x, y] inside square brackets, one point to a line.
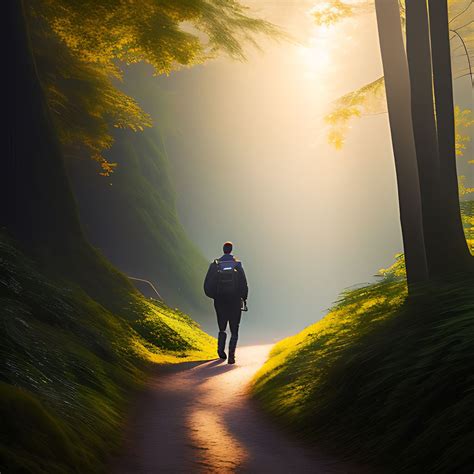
[226, 283]
[217, 272]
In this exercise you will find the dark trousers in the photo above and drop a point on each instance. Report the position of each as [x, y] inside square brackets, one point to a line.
[228, 311]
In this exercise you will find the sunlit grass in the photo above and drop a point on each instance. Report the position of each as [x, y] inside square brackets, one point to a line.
[69, 366]
[170, 336]
[288, 380]
[383, 378]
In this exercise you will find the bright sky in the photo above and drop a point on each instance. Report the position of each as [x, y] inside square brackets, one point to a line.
[251, 164]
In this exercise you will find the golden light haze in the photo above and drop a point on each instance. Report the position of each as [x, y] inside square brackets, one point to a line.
[252, 164]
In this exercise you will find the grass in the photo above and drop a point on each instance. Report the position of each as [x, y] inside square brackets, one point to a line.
[70, 364]
[382, 378]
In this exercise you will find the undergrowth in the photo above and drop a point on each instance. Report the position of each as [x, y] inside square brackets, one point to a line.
[383, 378]
[70, 364]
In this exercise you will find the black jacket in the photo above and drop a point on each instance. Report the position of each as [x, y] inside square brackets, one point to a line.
[210, 282]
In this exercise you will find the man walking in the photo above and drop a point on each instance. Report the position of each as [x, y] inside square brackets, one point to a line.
[226, 283]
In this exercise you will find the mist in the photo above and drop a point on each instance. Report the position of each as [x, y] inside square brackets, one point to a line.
[251, 163]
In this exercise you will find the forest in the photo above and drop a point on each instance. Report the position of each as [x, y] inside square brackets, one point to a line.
[120, 180]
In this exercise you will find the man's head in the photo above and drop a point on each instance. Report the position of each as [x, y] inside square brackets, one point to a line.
[227, 247]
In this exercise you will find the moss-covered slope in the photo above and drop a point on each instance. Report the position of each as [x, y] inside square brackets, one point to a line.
[131, 216]
[69, 364]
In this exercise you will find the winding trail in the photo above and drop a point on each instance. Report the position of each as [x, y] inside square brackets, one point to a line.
[197, 418]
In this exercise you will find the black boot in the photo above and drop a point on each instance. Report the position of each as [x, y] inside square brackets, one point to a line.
[221, 345]
[232, 346]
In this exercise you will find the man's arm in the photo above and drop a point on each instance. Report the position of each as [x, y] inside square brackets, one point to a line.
[210, 281]
[244, 288]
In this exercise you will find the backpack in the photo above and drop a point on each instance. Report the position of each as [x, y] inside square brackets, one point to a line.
[227, 278]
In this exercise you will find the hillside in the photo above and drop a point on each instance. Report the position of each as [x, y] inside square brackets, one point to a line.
[69, 364]
[131, 216]
[383, 378]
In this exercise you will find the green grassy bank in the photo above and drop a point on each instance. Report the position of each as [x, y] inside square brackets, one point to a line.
[382, 378]
[69, 366]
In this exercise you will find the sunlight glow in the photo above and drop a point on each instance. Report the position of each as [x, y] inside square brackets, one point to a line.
[213, 438]
[316, 53]
[211, 418]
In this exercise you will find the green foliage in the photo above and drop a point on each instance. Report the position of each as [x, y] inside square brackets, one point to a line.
[81, 48]
[85, 104]
[152, 31]
[463, 120]
[381, 378]
[328, 13]
[463, 189]
[69, 365]
[368, 100]
[397, 269]
[467, 215]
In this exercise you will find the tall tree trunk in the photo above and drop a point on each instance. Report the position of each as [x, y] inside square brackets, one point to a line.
[398, 101]
[455, 242]
[37, 206]
[424, 131]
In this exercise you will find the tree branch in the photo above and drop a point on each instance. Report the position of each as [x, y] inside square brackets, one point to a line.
[464, 11]
[467, 53]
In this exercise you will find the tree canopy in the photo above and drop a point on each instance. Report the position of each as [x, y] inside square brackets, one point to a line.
[82, 47]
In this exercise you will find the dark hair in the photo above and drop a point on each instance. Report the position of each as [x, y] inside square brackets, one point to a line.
[227, 247]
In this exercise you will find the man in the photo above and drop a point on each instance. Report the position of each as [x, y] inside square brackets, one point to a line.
[226, 283]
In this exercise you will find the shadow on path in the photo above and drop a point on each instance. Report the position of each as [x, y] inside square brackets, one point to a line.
[197, 418]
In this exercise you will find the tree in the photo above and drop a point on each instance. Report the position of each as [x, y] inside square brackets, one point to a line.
[424, 130]
[398, 101]
[455, 243]
[37, 206]
[429, 61]
[81, 48]
[370, 98]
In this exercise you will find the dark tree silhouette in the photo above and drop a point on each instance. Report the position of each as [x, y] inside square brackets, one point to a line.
[423, 138]
[432, 121]
[398, 100]
[455, 246]
[37, 206]
[424, 130]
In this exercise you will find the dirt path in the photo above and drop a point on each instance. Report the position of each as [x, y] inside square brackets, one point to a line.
[197, 418]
